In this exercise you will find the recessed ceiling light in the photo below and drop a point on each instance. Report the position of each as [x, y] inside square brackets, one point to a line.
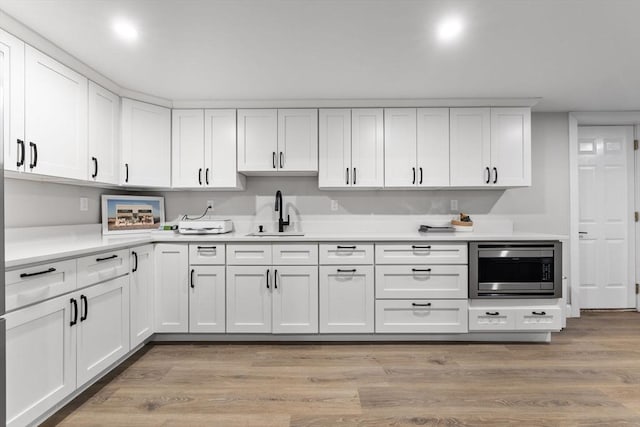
[450, 28]
[125, 30]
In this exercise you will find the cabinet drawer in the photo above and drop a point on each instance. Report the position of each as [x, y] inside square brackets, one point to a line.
[421, 281]
[492, 319]
[421, 316]
[33, 284]
[538, 318]
[417, 253]
[249, 254]
[207, 254]
[346, 253]
[295, 254]
[103, 266]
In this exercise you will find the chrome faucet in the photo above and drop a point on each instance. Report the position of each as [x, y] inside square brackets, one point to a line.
[278, 208]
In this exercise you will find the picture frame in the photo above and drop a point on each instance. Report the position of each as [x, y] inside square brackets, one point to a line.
[131, 214]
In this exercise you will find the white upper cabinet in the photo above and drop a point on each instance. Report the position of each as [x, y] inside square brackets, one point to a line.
[104, 135]
[511, 146]
[220, 150]
[400, 147]
[12, 69]
[187, 137]
[146, 144]
[271, 141]
[334, 132]
[470, 147]
[55, 117]
[367, 148]
[433, 147]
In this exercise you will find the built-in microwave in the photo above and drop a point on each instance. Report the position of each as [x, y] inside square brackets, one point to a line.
[515, 270]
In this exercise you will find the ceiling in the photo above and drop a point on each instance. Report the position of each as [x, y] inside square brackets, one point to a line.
[575, 54]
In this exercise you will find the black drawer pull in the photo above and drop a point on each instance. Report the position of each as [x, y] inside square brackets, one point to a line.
[34, 155]
[267, 278]
[191, 279]
[495, 177]
[126, 172]
[275, 276]
[420, 247]
[206, 247]
[74, 304]
[345, 247]
[135, 257]
[415, 304]
[539, 313]
[420, 175]
[492, 313]
[200, 176]
[488, 175]
[352, 270]
[20, 162]
[106, 258]
[206, 176]
[421, 270]
[86, 308]
[414, 176]
[95, 167]
[273, 159]
[50, 270]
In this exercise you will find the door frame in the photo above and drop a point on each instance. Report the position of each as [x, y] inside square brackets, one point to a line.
[576, 119]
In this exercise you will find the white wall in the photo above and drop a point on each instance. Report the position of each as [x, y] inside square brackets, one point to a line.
[543, 207]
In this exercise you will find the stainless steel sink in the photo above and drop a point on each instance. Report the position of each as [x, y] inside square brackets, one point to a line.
[276, 234]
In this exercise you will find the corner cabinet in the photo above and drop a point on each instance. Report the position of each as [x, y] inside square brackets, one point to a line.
[170, 288]
[12, 63]
[146, 144]
[141, 294]
[104, 135]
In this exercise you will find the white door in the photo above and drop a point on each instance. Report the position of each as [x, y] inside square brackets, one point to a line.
[257, 140]
[367, 148]
[206, 298]
[55, 117]
[220, 150]
[334, 146]
[146, 144]
[295, 299]
[605, 165]
[103, 329]
[171, 288]
[141, 294]
[433, 147]
[511, 146]
[12, 62]
[298, 140]
[187, 147]
[470, 147]
[41, 358]
[104, 134]
[347, 301]
[249, 299]
[400, 168]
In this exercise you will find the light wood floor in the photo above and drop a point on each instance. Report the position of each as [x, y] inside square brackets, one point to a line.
[588, 375]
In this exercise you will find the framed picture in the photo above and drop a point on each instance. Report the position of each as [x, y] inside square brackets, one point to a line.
[131, 214]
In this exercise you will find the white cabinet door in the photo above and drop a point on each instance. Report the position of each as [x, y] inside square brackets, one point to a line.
[295, 300]
[400, 168]
[249, 299]
[12, 69]
[55, 117]
[220, 150]
[346, 299]
[257, 140]
[104, 134]
[207, 299]
[103, 328]
[171, 288]
[141, 294]
[433, 147]
[298, 140]
[367, 148]
[146, 144]
[187, 145]
[470, 147]
[41, 359]
[422, 316]
[334, 162]
[511, 146]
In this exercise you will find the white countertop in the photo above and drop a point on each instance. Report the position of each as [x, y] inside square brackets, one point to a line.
[31, 246]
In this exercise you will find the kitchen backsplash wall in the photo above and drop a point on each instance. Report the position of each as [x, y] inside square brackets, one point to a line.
[541, 208]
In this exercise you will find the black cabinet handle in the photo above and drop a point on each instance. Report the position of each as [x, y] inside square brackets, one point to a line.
[352, 270]
[85, 302]
[191, 279]
[414, 175]
[273, 159]
[74, 307]
[20, 162]
[420, 247]
[347, 176]
[49, 270]
[200, 176]
[34, 155]
[492, 313]
[95, 167]
[345, 247]
[354, 176]
[206, 247]
[495, 176]
[126, 172]
[275, 279]
[106, 258]
[421, 270]
[267, 278]
[415, 304]
[420, 175]
[206, 176]
[538, 313]
[135, 257]
[488, 175]
[281, 160]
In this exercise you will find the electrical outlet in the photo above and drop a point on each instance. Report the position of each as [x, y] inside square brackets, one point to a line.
[210, 204]
[454, 205]
[334, 205]
[84, 204]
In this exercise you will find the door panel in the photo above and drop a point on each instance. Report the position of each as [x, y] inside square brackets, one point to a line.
[104, 135]
[141, 294]
[295, 300]
[367, 148]
[347, 299]
[298, 140]
[12, 62]
[257, 140]
[171, 288]
[207, 299]
[187, 142]
[433, 147]
[400, 169]
[249, 299]
[470, 140]
[334, 162]
[220, 150]
[511, 146]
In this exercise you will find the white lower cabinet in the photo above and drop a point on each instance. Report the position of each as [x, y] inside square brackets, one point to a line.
[103, 327]
[295, 300]
[346, 299]
[421, 316]
[141, 294]
[207, 298]
[532, 318]
[249, 299]
[41, 358]
[171, 293]
[421, 281]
